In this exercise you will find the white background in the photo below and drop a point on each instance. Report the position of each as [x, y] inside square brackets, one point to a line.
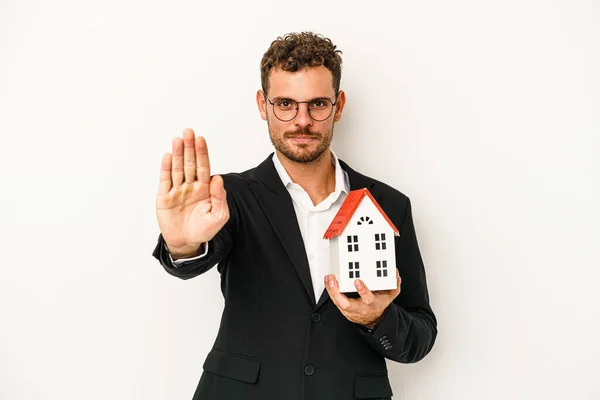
[485, 113]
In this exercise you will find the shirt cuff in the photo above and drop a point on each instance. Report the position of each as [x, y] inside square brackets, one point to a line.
[180, 261]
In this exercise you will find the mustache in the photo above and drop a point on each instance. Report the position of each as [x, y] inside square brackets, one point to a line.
[302, 132]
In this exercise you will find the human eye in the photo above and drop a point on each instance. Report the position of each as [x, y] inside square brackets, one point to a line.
[286, 104]
[319, 103]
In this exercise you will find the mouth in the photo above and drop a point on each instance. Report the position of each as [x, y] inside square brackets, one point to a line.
[302, 139]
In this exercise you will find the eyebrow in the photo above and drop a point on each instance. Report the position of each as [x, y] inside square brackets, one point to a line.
[313, 99]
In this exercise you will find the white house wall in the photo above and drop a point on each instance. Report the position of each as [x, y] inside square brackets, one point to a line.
[334, 255]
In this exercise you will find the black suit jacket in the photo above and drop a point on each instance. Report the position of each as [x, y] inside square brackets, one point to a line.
[276, 341]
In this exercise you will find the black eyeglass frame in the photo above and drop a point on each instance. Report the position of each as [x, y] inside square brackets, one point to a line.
[333, 103]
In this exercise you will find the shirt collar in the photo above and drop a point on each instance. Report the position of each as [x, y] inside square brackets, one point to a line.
[342, 183]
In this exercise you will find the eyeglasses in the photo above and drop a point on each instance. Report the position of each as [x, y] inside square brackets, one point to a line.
[286, 109]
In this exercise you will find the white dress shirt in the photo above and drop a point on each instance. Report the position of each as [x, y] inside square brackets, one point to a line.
[313, 221]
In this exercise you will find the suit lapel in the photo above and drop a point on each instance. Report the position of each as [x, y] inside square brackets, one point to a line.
[279, 209]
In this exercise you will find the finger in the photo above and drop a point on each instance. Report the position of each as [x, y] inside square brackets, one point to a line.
[177, 164]
[164, 184]
[189, 156]
[398, 283]
[365, 294]
[202, 161]
[338, 298]
[218, 197]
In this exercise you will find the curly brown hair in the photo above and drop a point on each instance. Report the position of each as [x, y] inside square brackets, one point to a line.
[295, 51]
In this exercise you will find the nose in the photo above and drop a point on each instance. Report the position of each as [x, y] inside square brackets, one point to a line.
[303, 119]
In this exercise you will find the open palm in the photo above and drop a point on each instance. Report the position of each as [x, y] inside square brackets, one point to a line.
[190, 206]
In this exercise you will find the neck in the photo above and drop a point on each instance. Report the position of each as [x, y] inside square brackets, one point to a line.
[317, 178]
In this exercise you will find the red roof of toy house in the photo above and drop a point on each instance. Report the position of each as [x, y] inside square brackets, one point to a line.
[347, 209]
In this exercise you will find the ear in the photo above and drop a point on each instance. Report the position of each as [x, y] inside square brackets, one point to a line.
[262, 104]
[339, 106]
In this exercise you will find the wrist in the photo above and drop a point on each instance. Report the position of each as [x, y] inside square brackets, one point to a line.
[373, 325]
[185, 252]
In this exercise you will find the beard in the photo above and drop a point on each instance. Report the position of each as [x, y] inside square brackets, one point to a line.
[301, 153]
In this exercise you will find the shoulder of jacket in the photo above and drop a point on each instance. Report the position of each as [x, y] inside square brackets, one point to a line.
[376, 187]
[238, 181]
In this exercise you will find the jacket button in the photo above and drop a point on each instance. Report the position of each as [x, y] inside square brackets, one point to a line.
[309, 370]
[316, 317]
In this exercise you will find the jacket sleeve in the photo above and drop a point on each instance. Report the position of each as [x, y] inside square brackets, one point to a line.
[408, 330]
[218, 248]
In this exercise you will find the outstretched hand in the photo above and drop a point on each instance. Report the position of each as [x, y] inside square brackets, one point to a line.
[190, 206]
[369, 308]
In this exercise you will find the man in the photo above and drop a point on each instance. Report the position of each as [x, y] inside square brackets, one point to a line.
[287, 332]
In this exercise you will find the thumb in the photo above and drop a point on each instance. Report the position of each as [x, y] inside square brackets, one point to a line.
[218, 195]
[366, 295]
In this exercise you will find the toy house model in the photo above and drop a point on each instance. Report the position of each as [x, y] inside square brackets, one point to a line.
[362, 244]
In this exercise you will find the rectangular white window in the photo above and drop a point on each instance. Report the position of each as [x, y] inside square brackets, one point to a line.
[380, 241]
[352, 243]
[354, 270]
[382, 269]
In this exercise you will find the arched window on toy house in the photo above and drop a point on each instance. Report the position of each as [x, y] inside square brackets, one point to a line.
[365, 220]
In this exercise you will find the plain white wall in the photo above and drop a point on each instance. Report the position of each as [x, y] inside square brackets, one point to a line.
[486, 113]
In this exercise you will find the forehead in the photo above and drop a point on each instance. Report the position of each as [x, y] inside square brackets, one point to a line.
[302, 84]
